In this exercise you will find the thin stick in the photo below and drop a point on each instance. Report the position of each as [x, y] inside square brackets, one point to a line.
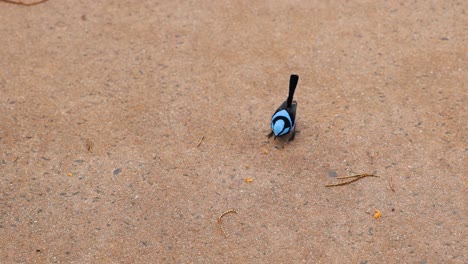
[200, 141]
[220, 222]
[89, 145]
[357, 177]
[390, 182]
[343, 183]
[24, 4]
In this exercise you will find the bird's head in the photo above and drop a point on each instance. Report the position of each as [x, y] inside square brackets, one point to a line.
[278, 127]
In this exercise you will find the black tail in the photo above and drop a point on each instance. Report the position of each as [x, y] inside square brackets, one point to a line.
[292, 87]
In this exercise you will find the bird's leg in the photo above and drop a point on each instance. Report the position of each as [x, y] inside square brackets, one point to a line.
[293, 134]
[270, 135]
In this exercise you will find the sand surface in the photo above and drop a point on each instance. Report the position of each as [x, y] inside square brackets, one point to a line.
[103, 104]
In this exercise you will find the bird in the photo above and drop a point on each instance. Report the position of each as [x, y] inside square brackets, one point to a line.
[283, 121]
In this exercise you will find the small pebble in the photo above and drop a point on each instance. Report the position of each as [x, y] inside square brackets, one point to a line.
[332, 173]
[117, 171]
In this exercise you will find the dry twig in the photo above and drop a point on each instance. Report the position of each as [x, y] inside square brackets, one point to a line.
[200, 141]
[23, 3]
[390, 182]
[220, 223]
[356, 178]
[89, 145]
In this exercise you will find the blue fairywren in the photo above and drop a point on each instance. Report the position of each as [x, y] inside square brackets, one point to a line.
[283, 121]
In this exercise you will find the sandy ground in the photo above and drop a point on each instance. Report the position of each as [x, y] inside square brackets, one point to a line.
[103, 104]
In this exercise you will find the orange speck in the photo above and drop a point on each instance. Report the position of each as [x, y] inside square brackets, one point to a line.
[377, 214]
[266, 151]
[70, 174]
[248, 180]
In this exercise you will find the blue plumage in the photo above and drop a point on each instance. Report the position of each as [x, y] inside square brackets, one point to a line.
[283, 120]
